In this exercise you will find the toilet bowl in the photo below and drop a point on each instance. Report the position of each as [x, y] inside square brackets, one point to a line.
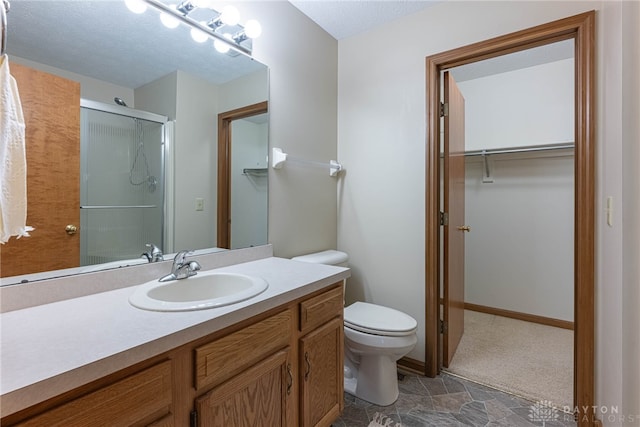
[375, 337]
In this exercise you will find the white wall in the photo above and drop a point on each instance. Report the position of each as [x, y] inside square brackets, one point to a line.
[519, 253]
[618, 294]
[381, 139]
[195, 162]
[631, 210]
[530, 106]
[302, 61]
[243, 91]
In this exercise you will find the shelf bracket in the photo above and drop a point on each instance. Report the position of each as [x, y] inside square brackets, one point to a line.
[486, 171]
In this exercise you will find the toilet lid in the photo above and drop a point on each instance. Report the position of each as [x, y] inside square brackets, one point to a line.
[378, 320]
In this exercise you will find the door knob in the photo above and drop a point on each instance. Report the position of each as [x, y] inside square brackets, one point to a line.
[464, 228]
[71, 229]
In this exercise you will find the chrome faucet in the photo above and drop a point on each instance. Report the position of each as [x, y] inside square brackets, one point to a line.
[181, 268]
[154, 254]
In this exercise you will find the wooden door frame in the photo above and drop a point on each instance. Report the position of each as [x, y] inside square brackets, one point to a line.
[224, 167]
[581, 28]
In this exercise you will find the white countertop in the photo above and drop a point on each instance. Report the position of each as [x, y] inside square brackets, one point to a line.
[52, 348]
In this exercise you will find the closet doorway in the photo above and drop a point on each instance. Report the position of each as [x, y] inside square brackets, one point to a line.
[227, 171]
[518, 166]
[578, 29]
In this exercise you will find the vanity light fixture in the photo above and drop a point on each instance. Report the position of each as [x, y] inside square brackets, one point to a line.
[136, 6]
[168, 20]
[224, 41]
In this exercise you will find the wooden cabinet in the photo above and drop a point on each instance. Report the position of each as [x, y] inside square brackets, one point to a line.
[252, 374]
[140, 399]
[230, 355]
[321, 374]
[279, 368]
[259, 396]
[321, 352]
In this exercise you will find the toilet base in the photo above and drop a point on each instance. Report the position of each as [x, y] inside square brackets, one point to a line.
[376, 380]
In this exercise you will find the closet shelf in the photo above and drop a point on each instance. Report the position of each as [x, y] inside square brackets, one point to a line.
[254, 171]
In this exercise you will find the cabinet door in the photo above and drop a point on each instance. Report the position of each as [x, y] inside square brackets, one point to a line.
[133, 401]
[321, 374]
[260, 396]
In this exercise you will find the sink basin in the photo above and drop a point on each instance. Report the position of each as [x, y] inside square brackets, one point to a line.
[202, 291]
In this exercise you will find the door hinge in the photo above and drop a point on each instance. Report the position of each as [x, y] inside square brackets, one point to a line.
[443, 327]
[193, 418]
[444, 109]
[444, 218]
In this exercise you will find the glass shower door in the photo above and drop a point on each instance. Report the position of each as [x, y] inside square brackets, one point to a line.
[121, 187]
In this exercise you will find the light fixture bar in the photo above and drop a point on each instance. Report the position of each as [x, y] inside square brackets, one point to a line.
[195, 24]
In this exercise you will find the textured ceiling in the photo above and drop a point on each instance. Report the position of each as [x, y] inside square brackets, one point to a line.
[345, 18]
[104, 40]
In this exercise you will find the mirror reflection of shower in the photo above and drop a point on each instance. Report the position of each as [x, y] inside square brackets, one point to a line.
[122, 182]
[144, 176]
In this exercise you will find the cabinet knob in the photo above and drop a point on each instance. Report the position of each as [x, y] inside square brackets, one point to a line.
[464, 228]
[71, 229]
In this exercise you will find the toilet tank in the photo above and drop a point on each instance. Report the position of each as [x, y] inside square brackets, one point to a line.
[330, 257]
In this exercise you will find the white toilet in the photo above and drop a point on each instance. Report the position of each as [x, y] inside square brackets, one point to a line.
[375, 337]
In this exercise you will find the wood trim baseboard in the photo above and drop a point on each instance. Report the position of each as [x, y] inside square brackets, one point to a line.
[411, 365]
[564, 324]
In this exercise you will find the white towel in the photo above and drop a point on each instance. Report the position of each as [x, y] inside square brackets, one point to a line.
[13, 162]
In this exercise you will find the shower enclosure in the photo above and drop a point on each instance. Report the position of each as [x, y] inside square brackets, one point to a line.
[121, 182]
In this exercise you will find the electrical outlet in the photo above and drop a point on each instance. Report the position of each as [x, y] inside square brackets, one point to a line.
[199, 204]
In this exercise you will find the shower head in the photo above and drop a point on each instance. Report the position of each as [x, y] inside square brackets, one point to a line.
[119, 101]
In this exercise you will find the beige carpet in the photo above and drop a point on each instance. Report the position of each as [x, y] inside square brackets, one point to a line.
[527, 359]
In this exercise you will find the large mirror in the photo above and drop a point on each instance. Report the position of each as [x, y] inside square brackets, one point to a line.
[160, 142]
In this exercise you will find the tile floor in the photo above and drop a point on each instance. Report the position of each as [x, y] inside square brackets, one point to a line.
[449, 401]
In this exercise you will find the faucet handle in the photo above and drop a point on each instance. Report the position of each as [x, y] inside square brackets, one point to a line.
[154, 254]
[182, 256]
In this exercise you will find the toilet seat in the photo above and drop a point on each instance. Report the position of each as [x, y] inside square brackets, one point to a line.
[378, 320]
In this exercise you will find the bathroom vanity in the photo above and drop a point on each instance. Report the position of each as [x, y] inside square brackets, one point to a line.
[273, 360]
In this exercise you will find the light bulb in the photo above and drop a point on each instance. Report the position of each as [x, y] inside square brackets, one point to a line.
[221, 46]
[136, 6]
[230, 15]
[169, 20]
[201, 3]
[252, 29]
[199, 35]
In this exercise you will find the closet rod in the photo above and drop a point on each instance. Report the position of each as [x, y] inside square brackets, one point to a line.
[525, 149]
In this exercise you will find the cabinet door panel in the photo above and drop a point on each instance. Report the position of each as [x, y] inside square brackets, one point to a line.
[128, 402]
[321, 308]
[226, 357]
[258, 397]
[321, 374]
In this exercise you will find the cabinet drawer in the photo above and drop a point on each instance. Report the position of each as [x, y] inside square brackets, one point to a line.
[225, 357]
[134, 399]
[321, 308]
